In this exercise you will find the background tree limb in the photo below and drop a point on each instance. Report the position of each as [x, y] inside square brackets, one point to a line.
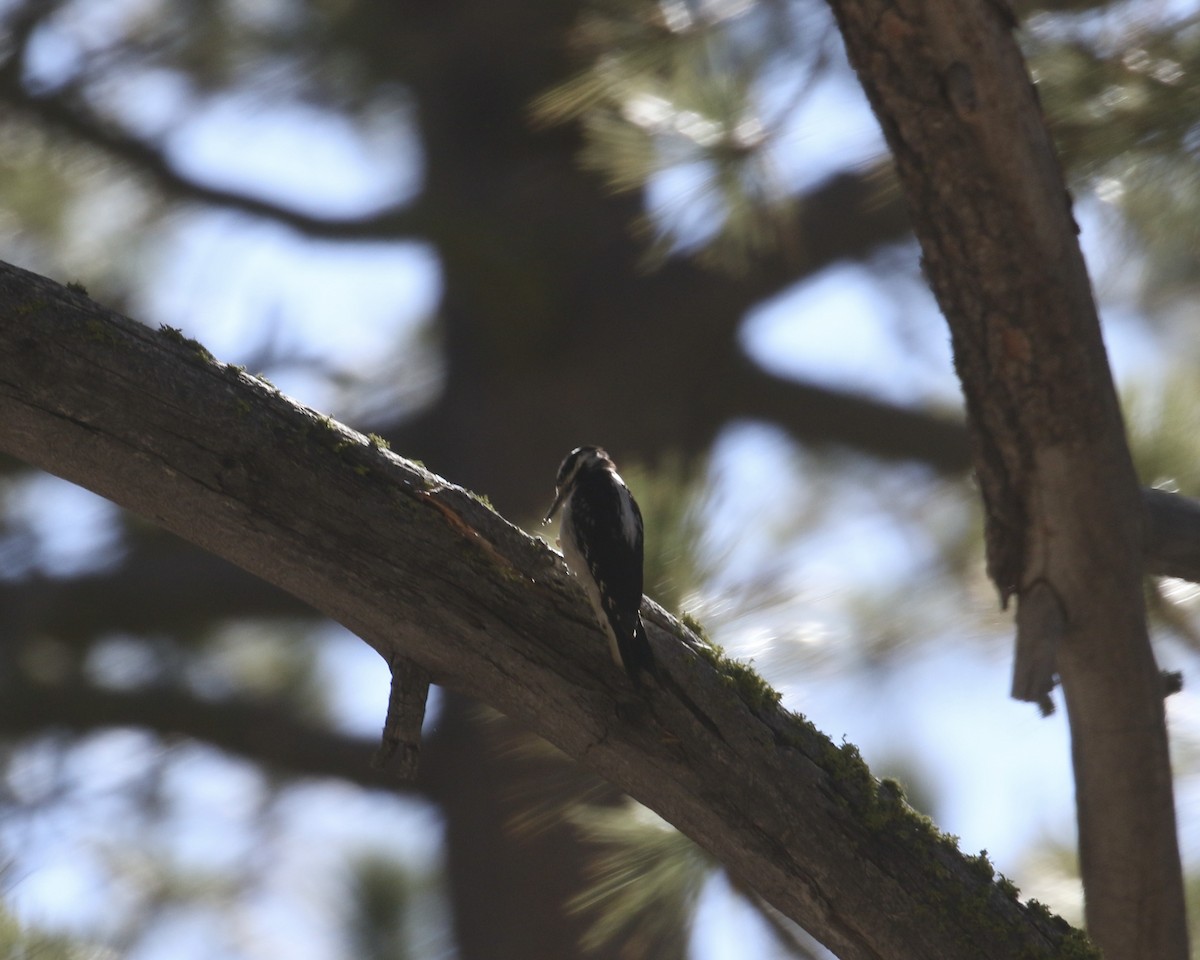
[251, 729]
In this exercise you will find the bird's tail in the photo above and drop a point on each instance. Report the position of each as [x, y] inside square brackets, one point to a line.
[636, 654]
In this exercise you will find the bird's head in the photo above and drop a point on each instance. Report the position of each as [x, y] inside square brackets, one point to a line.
[579, 461]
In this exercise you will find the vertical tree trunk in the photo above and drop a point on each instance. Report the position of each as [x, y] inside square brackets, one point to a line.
[989, 206]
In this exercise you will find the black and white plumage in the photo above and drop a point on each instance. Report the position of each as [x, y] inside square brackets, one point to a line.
[601, 538]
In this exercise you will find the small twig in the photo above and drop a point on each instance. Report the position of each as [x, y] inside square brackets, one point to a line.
[400, 750]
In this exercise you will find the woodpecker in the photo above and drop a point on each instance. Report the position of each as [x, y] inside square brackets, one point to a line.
[601, 538]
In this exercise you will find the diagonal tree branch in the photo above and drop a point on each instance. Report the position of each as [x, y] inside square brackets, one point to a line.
[817, 414]
[420, 569]
[59, 111]
[62, 109]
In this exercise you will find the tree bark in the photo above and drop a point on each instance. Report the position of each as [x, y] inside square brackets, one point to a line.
[422, 570]
[1064, 519]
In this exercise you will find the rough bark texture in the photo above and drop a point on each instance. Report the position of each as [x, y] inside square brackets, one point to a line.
[986, 194]
[400, 750]
[421, 570]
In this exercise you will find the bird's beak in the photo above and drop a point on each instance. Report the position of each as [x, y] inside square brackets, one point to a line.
[554, 506]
